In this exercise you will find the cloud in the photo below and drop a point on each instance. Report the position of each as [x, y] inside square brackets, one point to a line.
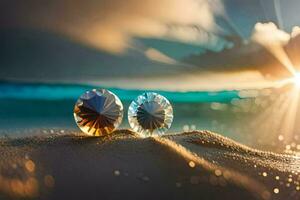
[295, 31]
[112, 24]
[267, 34]
[269, 50]
[274, 40]
[155, 55]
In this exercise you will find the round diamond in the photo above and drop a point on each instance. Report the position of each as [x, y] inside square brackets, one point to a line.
[98, 112]
[150, 114]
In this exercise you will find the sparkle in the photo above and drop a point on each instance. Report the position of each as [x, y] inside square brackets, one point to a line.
[264, 174]
[98, 112]
[276, 190]
[218, 172]
[30, 166]
[192, 164]
[150, 114]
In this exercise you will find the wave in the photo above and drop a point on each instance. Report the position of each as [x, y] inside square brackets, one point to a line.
[48, 91]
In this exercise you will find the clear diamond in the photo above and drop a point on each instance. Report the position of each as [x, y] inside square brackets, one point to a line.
[98, 112]
[150, 114]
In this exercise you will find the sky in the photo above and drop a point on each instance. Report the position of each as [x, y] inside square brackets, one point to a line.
[122, 43]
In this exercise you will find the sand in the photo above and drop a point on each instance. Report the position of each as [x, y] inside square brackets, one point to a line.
[194, 165]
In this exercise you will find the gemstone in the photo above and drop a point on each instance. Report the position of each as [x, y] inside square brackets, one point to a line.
[150, 114]
[98, 112]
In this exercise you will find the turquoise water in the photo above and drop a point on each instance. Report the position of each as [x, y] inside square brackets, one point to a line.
[35, 91]
[34, 105]
[26, 107]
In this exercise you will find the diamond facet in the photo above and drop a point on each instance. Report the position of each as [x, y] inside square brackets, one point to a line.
[98, 112]
[150, 114]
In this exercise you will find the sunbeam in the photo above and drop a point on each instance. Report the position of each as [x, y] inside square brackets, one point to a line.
[288, 123]
[274, 40]
[296, 79]
[278, 13]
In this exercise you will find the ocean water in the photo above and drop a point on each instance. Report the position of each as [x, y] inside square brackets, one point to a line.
[48, 92]
[27, 106]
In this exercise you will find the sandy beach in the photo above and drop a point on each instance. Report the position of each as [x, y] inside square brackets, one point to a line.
[191, 165]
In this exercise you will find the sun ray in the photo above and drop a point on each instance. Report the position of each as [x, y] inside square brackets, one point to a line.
[269, 120]
[278, 13]
[289, 122]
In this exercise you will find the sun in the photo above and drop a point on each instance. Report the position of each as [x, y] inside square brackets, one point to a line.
[296, 79]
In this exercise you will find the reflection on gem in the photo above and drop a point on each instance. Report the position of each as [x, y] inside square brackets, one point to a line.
[150, 114]
[98, 112]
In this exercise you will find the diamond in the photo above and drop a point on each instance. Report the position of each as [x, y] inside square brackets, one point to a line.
[150, 114]
[98, 112]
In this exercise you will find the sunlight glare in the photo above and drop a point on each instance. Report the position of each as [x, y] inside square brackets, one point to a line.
[296, 79]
